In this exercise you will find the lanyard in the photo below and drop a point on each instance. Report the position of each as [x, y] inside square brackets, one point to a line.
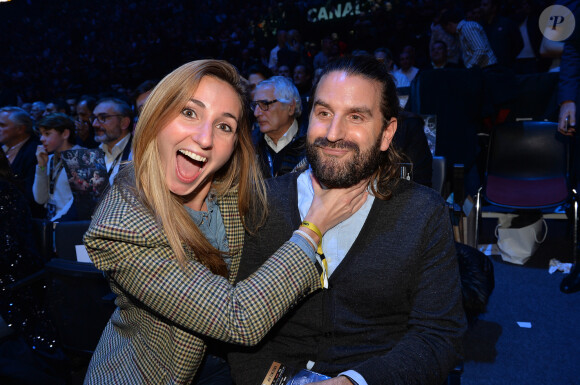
[54, 173]
[114, 164]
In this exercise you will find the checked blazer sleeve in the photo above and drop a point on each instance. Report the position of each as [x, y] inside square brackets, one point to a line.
[125, 241]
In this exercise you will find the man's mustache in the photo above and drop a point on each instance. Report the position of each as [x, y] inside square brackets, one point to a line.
[323, 142]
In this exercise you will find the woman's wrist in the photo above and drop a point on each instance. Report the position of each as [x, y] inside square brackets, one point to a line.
[312, 230]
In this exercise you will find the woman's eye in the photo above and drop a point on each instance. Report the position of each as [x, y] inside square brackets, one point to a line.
[189, 113]
[225, 127]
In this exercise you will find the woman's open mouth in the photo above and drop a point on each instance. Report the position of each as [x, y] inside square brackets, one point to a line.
[189, 165]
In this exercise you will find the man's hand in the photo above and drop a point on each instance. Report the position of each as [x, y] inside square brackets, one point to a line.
[340, 380]
[567, 111]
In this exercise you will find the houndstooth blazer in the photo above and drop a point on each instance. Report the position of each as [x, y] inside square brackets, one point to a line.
[155, 334]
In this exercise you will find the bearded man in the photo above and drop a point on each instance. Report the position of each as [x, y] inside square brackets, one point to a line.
[390, 312]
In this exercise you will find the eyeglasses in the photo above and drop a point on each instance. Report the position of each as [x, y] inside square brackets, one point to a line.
[263, 104]
[102, 118]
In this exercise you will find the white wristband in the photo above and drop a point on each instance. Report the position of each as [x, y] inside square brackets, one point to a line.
[307, 237]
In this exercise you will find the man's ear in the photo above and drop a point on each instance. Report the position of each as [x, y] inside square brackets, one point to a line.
[126, 123]
[292, 108]
[388, 134]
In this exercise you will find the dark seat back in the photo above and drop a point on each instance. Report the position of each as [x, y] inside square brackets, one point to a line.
[80, 302]
[66, 236]
[527, 166]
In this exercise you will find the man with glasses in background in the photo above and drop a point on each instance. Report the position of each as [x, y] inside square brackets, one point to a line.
[281, 144]
[112, 120]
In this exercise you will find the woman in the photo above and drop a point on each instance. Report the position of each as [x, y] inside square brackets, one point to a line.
[171, 227]
[51, 187]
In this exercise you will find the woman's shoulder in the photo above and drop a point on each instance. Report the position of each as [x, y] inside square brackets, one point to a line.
[122, 213]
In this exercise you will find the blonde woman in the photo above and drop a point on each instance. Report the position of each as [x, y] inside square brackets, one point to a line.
[169, 234]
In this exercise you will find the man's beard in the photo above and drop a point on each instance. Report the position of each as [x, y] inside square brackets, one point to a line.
[333, 172]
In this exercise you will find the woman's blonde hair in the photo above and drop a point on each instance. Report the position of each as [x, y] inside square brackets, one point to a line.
[239, 174]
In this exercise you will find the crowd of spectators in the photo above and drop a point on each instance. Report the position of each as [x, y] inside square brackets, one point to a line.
[77, 47]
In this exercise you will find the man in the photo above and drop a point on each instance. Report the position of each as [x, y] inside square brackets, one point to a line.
[277, 107]
[303, 82]
[37, 110]
[84, 131]
[385, 56]
[438, 55]
[568, 98]
[55, 106]
[19, 145]
[391, 313]
[112, 121]
[502, 33]
[406, 68]
[281, 43]
[141, 94]
[475, 48]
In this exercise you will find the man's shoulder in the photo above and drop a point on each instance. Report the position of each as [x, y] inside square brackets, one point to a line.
[415, 195]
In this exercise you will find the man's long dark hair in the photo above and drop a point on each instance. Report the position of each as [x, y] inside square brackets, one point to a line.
[370, 68]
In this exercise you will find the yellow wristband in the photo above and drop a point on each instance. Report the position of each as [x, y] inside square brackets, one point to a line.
[313, 227]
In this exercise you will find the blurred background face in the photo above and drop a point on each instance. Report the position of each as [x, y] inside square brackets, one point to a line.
[37, 110]
[253, 80]
[284, 71]
[301, 78]
[438, 54]
[10, 133]
[405, 61]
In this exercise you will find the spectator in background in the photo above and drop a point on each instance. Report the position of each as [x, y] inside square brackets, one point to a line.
[281, 43]
[284, 70]
[475, 48]
[293, 53]
[141, 94]
[55, 106]
[51, 188]
[19, 145]
[438, 33]
[84, 131]
[438, 55]
[277, 107]
[385, 56]
[502, 33]
[328, 51]
[569, 97]
[529, 59]
[37, 110]
[406, 68]
[113, 121]
[255, 75]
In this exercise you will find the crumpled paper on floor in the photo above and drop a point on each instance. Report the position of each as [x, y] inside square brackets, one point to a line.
[556, 265]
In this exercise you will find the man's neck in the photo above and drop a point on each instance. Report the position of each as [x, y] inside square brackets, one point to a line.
[17, 141]
[113, 143]
[279, 133]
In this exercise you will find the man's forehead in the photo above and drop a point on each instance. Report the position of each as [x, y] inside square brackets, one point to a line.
[346, 82]
[105, 106]
[267, 90]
